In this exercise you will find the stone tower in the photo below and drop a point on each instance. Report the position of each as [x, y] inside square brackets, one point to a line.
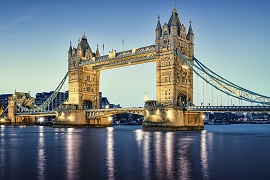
[174, 79]
[83, 81]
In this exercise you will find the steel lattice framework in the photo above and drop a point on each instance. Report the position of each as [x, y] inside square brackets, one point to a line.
[223, 84]
[46, 103]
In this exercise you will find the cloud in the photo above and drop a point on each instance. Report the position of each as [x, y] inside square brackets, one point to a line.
[6, 25]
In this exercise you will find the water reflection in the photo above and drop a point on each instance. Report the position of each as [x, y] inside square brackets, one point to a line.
[184, 156]
[2, 151]
[146, 154]
[41, 155]
[206, 150]
[110, 153]
[169, 153]
[158, 151]
[72, 150]
[139, 137]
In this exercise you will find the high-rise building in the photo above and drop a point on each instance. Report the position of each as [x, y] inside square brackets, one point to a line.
[58, 100]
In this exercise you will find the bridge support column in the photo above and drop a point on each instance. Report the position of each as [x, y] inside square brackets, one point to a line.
[100, 122]
[71, 116]
[157, 118]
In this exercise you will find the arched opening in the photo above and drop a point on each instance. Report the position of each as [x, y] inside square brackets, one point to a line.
[87, 104]
[181, 100]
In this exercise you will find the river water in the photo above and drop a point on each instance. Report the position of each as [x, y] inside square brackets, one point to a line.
[127, 152]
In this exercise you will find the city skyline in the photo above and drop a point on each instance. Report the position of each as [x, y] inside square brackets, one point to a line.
[230, 38]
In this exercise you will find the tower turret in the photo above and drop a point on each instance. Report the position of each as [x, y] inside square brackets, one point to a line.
[190, 35]
[97, 52]
[70, 51]
[158, 29]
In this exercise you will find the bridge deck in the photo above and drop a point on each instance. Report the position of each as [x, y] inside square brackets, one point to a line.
[229, 108]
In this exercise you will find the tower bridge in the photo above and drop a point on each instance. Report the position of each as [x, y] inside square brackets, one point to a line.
[174, 107]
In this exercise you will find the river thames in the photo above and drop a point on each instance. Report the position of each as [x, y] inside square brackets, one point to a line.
[127, 152]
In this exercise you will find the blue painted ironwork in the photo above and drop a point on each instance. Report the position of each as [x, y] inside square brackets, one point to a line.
[223, 84]
[119, 55]
[46, 103]
[229, 108]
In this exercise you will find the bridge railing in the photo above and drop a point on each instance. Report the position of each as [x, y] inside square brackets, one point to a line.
[122, 54]
[229, 108]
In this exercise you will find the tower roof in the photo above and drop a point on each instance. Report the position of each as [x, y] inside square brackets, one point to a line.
[83, 43]
[174, 19]
[190, 31]
[158, 24]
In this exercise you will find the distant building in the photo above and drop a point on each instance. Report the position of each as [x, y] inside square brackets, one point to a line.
[59, 99]
[4, 99]
[105, 103]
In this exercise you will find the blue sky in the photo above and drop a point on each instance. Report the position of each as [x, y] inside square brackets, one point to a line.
[231, 38]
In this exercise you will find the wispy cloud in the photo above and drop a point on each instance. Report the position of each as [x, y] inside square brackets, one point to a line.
[15, 22]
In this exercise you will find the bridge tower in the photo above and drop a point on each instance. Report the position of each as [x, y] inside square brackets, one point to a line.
[83, 81]
[174, 80]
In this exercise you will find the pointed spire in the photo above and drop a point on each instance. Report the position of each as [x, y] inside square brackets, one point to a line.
[158, 24]
[70, 47]
[190, 31]
[97, 52]
[174, 19]
[174, 10]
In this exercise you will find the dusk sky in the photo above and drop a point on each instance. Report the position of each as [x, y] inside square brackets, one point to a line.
[231, 38]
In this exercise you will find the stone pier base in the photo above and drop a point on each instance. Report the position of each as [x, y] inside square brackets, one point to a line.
[171, 119]
[77, 118]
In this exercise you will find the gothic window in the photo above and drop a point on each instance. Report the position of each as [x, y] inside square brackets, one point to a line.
[88, 78]
[88, 89]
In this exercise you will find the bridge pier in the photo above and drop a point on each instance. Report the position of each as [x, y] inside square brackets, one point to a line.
[70, 116]
[171, 118]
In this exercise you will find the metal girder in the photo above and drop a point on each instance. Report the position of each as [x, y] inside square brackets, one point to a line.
[124, 58]
[46, 103]
[223, 84]
[229, 108]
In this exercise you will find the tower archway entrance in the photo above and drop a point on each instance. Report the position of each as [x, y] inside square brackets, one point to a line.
[181, 100]
[87, 104]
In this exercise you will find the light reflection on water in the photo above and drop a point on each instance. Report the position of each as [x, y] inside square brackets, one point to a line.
[158, 152]
[146, 155]
[72, 153]
[41, 158]
[130, 153]
[169, 138]
[2, 150]
[184, 154]
[110, 153]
